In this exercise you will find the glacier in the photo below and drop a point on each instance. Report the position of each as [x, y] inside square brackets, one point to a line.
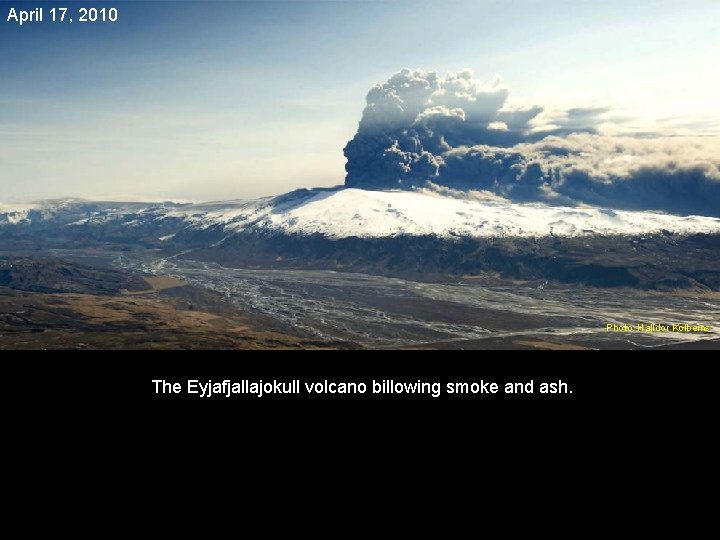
[361, 213]
[352, 212]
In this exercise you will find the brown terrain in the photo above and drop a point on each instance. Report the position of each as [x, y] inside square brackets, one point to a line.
[52, 304]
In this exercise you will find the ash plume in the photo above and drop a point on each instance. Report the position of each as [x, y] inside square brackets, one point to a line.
[422, 129]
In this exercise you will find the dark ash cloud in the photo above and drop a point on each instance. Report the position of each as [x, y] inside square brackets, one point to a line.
[420, 128]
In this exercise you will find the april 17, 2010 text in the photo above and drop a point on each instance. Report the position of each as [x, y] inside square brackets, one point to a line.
[62, 15]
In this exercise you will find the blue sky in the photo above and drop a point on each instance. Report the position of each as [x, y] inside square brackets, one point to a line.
[213, 100]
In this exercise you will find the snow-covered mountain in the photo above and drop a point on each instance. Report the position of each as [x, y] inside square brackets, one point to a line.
[417, 234]
[376, 214]
[346, 213]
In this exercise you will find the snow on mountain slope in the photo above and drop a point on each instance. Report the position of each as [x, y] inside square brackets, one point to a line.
[355, 212]
[342, 213]
[11, 214]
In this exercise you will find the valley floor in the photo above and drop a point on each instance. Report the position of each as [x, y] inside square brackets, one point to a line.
[93, 300]
[169, 314]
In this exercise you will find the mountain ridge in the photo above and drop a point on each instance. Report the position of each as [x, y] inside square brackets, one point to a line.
[347, 212]
[420, 234]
